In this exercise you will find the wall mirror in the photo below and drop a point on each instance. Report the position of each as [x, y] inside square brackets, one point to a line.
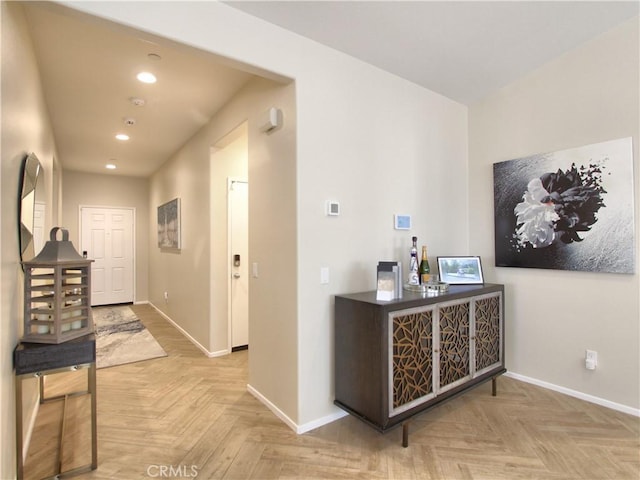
[30, 172]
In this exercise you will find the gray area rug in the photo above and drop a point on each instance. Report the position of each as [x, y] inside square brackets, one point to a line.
[122, 338]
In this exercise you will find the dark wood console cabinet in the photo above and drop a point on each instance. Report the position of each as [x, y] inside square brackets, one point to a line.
[395, 359]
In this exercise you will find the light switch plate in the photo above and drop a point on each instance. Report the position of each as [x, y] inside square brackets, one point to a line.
[324, 275]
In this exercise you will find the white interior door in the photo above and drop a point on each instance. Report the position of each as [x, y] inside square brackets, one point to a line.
[239, 248]
[107, 238]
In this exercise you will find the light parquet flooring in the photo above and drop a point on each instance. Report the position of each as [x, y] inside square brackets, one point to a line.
[189, 416]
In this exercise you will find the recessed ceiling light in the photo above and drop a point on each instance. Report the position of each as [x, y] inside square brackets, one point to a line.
[110, 166]
[122, 136]
[146, 77]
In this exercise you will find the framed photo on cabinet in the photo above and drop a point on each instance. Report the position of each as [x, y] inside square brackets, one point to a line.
[460, 270]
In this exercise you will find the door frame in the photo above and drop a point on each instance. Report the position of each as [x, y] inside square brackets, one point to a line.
[133, 236]
[230, 181]
[41, 207]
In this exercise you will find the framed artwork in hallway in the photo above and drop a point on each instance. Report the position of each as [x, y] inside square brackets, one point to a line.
[169, 225]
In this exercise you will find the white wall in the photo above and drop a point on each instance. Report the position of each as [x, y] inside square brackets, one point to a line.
[25, 128]
[377, 143]
[183, 274]
[200, 180]
[106, 190]
[587, 96]
[196, 277]
[379, 146]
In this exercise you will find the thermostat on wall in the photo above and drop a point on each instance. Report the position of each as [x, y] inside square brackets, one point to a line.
[402, 222]
[333, 208]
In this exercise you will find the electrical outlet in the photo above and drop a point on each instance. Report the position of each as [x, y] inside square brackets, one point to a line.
[591, 359]
[166, 297]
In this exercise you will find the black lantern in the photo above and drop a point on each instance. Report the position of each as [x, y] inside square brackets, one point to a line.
[57, 293]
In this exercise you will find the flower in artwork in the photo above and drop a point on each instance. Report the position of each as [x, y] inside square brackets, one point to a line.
[558, 206]
[535, 219]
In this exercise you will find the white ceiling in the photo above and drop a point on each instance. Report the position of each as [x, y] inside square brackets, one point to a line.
[463, 50]
[88, 70]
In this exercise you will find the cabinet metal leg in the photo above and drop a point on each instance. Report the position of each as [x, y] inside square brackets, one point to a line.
[41, 387]
[405, 434]
[94, 416]
[63, 426]
[494, 386]
[91, 390]
[19, 433]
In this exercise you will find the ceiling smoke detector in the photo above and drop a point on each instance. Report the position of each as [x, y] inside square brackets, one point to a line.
[129, 122]
[138, 102]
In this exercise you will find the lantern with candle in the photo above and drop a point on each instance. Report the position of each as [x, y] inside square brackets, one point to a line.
[57, 293]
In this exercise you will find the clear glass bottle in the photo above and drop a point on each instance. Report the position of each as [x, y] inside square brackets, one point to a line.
[414, 278]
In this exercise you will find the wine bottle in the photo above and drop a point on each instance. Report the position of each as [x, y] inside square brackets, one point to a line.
[414, 279]
[424, 270]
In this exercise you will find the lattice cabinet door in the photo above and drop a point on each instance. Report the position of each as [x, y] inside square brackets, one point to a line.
[487, 327]
[453, 347]
[411, 381]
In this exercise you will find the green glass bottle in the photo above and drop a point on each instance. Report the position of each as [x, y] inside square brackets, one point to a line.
[424, 270]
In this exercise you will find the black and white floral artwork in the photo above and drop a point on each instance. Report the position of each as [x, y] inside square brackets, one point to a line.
[567, 210]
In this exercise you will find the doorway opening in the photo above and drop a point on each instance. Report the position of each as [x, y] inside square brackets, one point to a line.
[238, 215]
[230, 241]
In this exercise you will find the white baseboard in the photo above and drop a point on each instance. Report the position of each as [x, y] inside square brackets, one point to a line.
[307, 427]
[340, 413]
[209, 354]
[267, 403]
[574, 393]
[299, 429]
